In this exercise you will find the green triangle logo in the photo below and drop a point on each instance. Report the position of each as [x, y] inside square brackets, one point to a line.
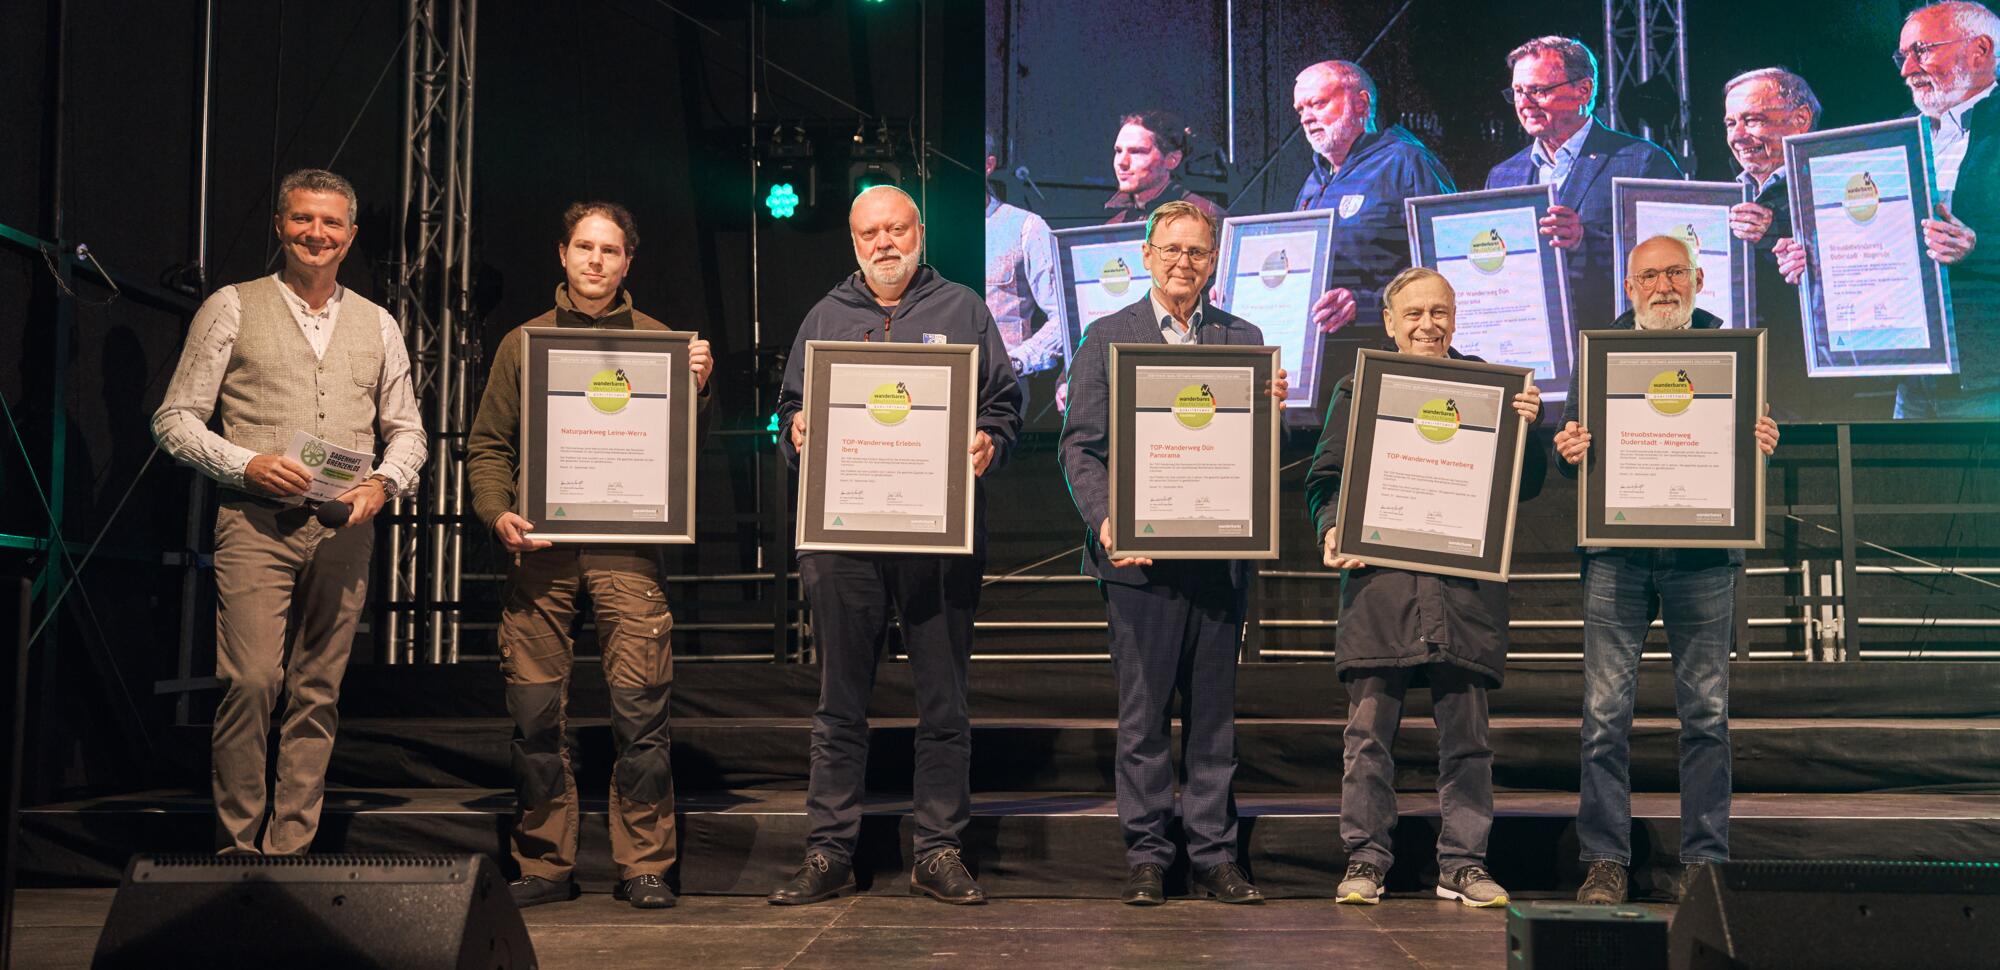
[836, 521]
[1375, 536]
[1149, 528]
[1620, 518]
[560, 513]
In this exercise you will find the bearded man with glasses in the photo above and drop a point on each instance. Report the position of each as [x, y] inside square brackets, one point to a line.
[1553, 91]
[1175, 624]
[1692, 591]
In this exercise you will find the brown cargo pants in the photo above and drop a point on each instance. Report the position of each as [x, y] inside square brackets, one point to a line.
[634, 631]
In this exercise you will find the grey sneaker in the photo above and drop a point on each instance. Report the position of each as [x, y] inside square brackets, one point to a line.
[1603, 885]
[1362, 885]
[1473, 886]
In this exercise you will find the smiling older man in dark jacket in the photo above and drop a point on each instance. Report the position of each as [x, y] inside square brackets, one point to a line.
[1400, 629]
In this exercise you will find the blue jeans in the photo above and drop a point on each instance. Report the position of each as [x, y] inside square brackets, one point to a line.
[1694, 591]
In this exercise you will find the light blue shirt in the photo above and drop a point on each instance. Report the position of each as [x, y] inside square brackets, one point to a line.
[1553, 171]
[1020, 276]
[1171, 329]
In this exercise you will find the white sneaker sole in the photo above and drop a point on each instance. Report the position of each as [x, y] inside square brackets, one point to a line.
[1500, 900]
[1359, 899]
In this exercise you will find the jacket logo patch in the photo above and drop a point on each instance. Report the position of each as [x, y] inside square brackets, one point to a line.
[1351, 204]
[934, 338]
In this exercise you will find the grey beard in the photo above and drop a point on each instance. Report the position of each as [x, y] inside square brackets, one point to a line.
[887, 277]
[1646, 318]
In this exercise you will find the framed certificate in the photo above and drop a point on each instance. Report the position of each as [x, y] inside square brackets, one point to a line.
[1194, 451]
[607, 435]
[1272, 270]
[1696, 213]
[1513, 296]
[1872, 301]
[887, 465]
[1102, 270]
[1673, 457]
[1432, 471]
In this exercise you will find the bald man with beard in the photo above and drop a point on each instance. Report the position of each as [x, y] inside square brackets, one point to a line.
[895, 298]
[1692, 591]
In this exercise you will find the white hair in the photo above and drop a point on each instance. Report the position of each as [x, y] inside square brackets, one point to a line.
[1971, 19]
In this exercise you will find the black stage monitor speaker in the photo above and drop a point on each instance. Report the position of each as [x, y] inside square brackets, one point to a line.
[1573, 936]
[1851, 915]
[347, 911]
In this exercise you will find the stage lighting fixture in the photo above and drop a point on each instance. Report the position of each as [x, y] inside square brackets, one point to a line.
[872, 162]
[786, 173]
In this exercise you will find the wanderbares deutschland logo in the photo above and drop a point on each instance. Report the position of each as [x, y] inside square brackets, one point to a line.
[1863, 197]
[1116, 276]
[1276, 267]
[1487, 251]
[1437, 420]
[1194, 406]
[312, 455]
[889, 404]
[609, 390]
[1670, 392]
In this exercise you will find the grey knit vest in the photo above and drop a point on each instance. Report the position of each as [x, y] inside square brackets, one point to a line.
[274, 386]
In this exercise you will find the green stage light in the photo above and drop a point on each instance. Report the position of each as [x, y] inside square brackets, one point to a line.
[783, 200]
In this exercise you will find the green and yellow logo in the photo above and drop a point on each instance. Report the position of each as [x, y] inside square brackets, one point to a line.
[1863, 198]
[1116, 276]
[1488, 251]
[1438, 419]
[609, 390]
[1670, 392]
[889, 404]
[312, 455]
[1277, 266]
[1685, 233]
[1194, 406]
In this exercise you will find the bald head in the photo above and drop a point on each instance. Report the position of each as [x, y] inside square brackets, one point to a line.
[1661, 280]
[888, 239]
[1335, 102]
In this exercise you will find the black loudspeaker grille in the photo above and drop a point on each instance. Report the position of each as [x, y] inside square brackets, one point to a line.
[338, 912]
[332, 869]
[1815, 876]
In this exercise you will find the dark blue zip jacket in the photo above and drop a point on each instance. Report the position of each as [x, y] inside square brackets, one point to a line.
[932, 308]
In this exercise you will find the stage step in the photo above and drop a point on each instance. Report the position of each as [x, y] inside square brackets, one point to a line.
[1027, 843]
[1017, 689]
[1275, 755]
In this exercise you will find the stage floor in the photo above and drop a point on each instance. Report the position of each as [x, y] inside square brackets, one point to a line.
[57, 929]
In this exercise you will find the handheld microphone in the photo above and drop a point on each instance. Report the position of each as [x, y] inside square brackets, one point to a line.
[333, 513]
[1021, 172]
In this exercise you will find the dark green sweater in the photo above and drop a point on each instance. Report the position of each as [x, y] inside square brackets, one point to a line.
[492, 451]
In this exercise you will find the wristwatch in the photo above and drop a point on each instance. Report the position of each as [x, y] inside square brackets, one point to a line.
[388, 486]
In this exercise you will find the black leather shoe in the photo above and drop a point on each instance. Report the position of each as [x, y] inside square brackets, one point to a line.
[534, 891]
[818, 879]
[644, 892]
[1227, 884]
[1143, 888]
[942, 876]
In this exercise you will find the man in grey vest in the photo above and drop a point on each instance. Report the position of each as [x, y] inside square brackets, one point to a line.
[294, 351]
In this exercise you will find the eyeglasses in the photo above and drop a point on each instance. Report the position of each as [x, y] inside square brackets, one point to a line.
[1173, 254]
[1672, 274]
[1922, 52]
[1537, 95]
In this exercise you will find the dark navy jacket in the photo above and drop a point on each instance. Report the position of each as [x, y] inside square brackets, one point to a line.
[932, 306]
[1371, 242]
[1085, 451]
[1604, 155]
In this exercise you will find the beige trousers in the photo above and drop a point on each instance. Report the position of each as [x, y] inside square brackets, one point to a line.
[288, 594]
